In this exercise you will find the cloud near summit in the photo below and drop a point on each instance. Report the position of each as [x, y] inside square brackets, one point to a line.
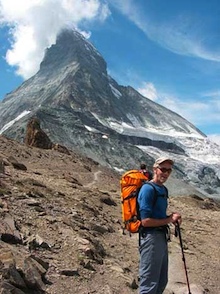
[35, 24]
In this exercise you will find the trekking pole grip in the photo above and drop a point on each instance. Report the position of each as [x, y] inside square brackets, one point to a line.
[177, 229]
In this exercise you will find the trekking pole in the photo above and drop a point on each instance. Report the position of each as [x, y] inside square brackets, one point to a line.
[178, 233]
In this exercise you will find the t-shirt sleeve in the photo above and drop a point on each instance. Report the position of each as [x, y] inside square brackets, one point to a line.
[145, 201]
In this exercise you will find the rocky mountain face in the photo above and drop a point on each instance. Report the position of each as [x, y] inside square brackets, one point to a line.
[81, 107]
[61, 229]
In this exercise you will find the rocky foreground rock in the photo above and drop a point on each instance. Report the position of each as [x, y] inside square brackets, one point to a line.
[60, 226]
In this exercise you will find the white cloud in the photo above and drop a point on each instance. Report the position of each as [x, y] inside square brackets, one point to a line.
[148, 90]
[173, 37]
[215, 138]
[182, 34]
[35, 24]
[199, 112]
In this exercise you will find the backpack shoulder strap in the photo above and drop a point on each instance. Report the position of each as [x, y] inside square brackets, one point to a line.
[154, 202]
[166, 191]
[155, 192]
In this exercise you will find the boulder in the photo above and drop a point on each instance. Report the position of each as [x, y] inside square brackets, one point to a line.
[35, 136]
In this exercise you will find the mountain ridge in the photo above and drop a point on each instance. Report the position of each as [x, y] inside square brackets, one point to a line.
[82, 107]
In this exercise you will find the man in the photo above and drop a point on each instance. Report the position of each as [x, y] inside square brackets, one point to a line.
[145, 171]
[152, 200]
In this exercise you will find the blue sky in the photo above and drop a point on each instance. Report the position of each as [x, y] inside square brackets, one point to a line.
[167, 50]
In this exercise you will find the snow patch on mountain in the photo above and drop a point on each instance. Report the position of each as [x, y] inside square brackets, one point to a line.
[166, 133]
[196, 146]
[203, 150]
[91, 129]
[115, 91]
[10, 123]
[135, 121]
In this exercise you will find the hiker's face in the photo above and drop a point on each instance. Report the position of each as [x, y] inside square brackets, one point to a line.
[162, 172]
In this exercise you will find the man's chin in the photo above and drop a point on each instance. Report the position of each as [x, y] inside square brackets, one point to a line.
[163, 180]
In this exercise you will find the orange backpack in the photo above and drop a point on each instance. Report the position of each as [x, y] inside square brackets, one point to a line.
[131, 183]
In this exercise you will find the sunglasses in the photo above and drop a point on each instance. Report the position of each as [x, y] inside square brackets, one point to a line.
[164, 170]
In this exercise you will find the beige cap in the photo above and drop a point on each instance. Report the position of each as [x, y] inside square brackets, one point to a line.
[161, 160]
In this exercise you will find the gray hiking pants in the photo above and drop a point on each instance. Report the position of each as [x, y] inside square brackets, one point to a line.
[153, 267]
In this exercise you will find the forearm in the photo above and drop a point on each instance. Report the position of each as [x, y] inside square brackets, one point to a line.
[153, 222]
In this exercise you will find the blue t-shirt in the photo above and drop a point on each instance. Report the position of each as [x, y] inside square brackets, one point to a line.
[148, 208]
